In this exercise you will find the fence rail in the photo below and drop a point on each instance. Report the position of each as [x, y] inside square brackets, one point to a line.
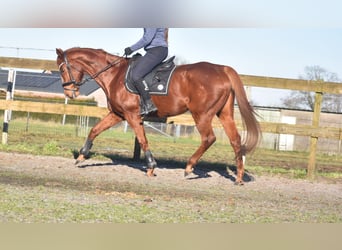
[184, 119]
[273, 127]
[292, 84]
[54, 108]
[314, 130]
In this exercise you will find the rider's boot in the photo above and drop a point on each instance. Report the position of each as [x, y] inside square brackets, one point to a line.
[148, 105]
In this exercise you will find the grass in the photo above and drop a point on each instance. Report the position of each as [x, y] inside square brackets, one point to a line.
[75, 202]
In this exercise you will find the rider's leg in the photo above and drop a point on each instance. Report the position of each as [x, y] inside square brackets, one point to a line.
[145, 65]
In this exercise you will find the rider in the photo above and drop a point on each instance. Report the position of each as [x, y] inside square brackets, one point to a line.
[155, 43]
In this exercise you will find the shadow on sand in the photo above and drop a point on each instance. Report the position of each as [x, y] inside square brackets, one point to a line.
[202, 169]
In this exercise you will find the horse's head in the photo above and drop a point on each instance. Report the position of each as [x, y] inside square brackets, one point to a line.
[70, 74]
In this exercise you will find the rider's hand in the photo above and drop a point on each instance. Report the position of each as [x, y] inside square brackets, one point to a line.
[128, 51]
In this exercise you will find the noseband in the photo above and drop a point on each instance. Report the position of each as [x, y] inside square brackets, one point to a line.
[76, 85]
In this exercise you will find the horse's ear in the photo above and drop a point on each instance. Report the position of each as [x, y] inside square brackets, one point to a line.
[59, 52]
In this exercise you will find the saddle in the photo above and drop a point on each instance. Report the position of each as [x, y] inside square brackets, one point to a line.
[157, 80]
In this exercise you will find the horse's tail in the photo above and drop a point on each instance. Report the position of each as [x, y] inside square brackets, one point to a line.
[248, 114]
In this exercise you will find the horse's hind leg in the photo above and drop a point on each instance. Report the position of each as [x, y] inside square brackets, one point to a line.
[108, 121]
[227, 119]
[203, 124]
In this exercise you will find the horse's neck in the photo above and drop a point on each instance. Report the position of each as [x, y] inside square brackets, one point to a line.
[95, 62]
[98, 65]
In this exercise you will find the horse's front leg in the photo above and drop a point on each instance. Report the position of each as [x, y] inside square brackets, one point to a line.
[138, 126]
[107, 122]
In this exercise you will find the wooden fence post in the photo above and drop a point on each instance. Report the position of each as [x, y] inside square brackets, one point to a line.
[311, 174]
[7, 113]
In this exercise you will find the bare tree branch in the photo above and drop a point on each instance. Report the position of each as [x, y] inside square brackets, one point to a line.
[306, 100]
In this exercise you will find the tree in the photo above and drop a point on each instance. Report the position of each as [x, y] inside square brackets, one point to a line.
[306, 100]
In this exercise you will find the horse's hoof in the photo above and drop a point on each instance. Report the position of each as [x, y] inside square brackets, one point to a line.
[80, 159]
[150, 173]
[187, 173]
[239, 183]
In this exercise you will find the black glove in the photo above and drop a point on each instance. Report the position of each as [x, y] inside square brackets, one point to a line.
[128, 51]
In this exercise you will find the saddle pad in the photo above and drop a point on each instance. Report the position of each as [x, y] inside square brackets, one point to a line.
[157, 81]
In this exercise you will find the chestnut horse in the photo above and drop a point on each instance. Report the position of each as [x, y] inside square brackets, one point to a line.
[204, 89]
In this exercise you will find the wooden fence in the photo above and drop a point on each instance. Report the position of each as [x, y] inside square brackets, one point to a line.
[314, 131]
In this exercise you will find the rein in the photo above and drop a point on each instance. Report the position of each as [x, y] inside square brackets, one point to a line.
[78, 84]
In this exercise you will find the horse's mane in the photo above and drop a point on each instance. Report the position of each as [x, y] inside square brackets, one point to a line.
[99, 50]
[108, 56]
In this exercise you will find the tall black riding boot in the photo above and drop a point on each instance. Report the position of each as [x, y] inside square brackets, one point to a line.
[148, 105]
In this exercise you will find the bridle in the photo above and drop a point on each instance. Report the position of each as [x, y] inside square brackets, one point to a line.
[76, 85]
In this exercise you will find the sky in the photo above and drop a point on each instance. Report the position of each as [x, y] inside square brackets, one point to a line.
[264, 38]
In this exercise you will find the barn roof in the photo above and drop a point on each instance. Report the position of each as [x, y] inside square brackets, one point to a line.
[42, 82]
